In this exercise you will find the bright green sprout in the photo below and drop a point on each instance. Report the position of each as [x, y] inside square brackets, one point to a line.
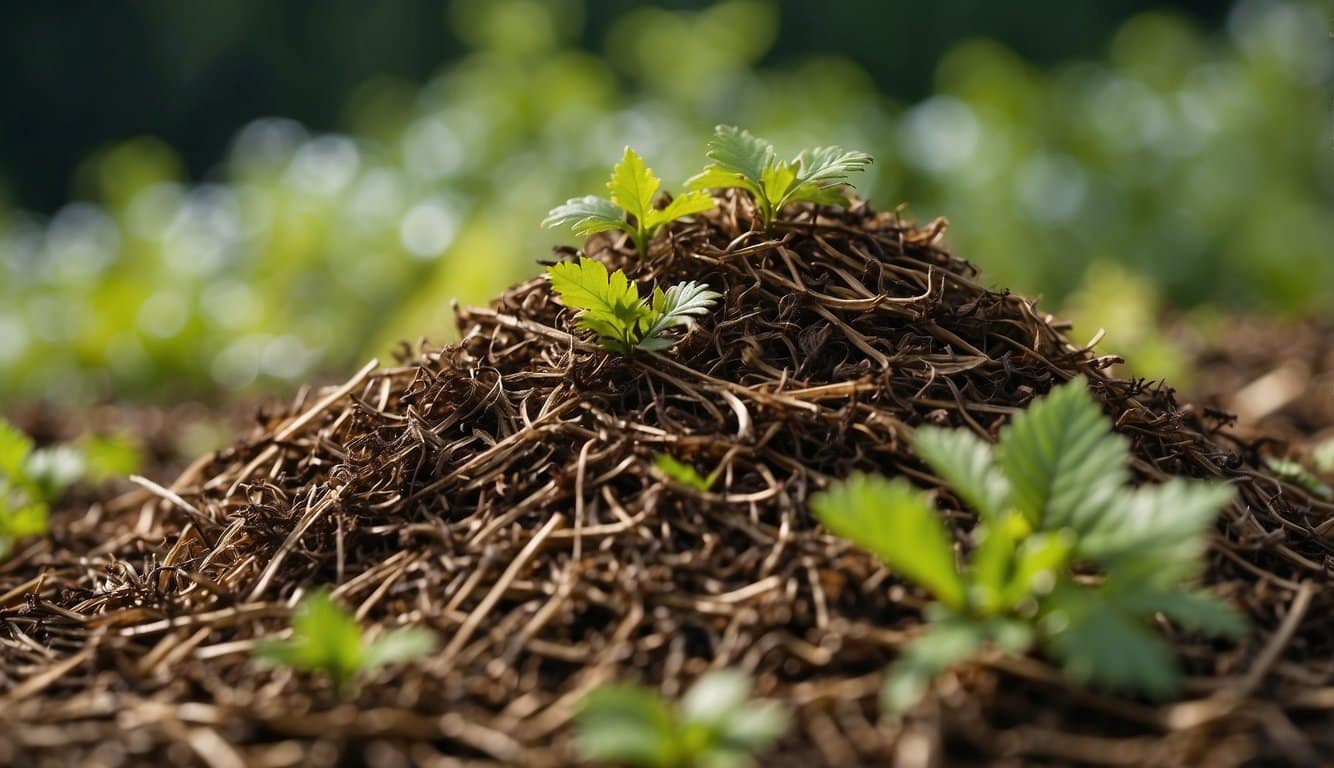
[744, 161]
[31, 480]
[610, 307]
[716, 724]
[326, 639]
[683, 473]
[1295, 472]
[1051, 495]
[630, 209]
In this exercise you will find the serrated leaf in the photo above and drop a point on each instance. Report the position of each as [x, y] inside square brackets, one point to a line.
[737, 151]
[1064, 463]
[1099, 643]
[829, 166]
[587, 286]
[809, 193]
[968, 467]
[684, 205]
[777, 181]
[1157, 533]
[633, 185]
[896, 523]
[677, 305]
[587, 215]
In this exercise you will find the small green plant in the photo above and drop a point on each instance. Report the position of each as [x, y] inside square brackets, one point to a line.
[31, 480]
[632, 187]
[1052, 499]
[610, 307]
[683, 473]
[744, 161]
[1293, 471]
[326, 639]
[715, 725]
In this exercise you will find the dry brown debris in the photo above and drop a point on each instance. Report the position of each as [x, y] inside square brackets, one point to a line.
[502, 491]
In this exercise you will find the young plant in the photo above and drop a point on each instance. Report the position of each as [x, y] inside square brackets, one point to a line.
[1051, 497]
[632, 187]
[610, 307]
[30, 481]
[683, 473]
[327, 640]
[744, 161]
[716, 724]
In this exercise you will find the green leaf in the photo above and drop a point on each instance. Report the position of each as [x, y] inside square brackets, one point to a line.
[739, 153]
[685, 205]
[587, 215]
[950, 639]
[1099, 643]
[826, 167]
[625, 724]
[683, 473]
[896, 523]
[1157, 533]
[109, 456]
[1295, 472]
[587, 287]
[1195, 611]
[325, 639]
[400, 645]
[966, 464]
[633, 185]
[715, 696]
[1064, 463]
[756, 726]
[677, 305]
[15, 447]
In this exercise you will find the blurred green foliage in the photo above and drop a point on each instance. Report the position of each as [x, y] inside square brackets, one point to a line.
[1199, 160]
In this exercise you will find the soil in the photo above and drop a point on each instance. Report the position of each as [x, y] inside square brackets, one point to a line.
[502, 491]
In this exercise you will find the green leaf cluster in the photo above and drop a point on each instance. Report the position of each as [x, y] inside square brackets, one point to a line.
[328, 640]
[744, 161]
[683, 473]
[715, 725]
[630, 209]
[609, 305]
[30, 480]
[1051, 496]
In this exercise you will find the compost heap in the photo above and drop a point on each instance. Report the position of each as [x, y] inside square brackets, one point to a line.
[503, 492]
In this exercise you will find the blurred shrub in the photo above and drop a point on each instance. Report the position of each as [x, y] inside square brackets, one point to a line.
[1201, 161]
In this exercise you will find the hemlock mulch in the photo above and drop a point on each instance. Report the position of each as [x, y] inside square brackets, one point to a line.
[502, 492]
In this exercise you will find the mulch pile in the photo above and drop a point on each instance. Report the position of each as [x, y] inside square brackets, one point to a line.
[502, 491]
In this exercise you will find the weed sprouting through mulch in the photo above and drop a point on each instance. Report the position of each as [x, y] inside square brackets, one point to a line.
[503, 492]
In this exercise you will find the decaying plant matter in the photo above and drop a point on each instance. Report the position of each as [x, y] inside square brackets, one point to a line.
[504, 493]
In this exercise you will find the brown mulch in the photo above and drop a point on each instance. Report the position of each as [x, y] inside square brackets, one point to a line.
[502, 491]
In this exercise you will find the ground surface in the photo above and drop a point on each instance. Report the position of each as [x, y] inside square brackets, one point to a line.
[502, 492]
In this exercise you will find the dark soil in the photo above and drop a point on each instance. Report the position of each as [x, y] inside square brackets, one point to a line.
[502, 491]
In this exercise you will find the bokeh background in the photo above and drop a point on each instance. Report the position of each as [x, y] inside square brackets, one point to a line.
[206, 199]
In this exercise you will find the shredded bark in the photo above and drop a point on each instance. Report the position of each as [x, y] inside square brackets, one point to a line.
[502, 492]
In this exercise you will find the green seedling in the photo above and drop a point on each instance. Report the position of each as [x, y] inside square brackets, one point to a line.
[31, 480]
[327, 640]
[681, 472]
[610, 307]
[1293, 471]
[715, 725]
[1051, 497]
[632, 188]
[743, 161]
